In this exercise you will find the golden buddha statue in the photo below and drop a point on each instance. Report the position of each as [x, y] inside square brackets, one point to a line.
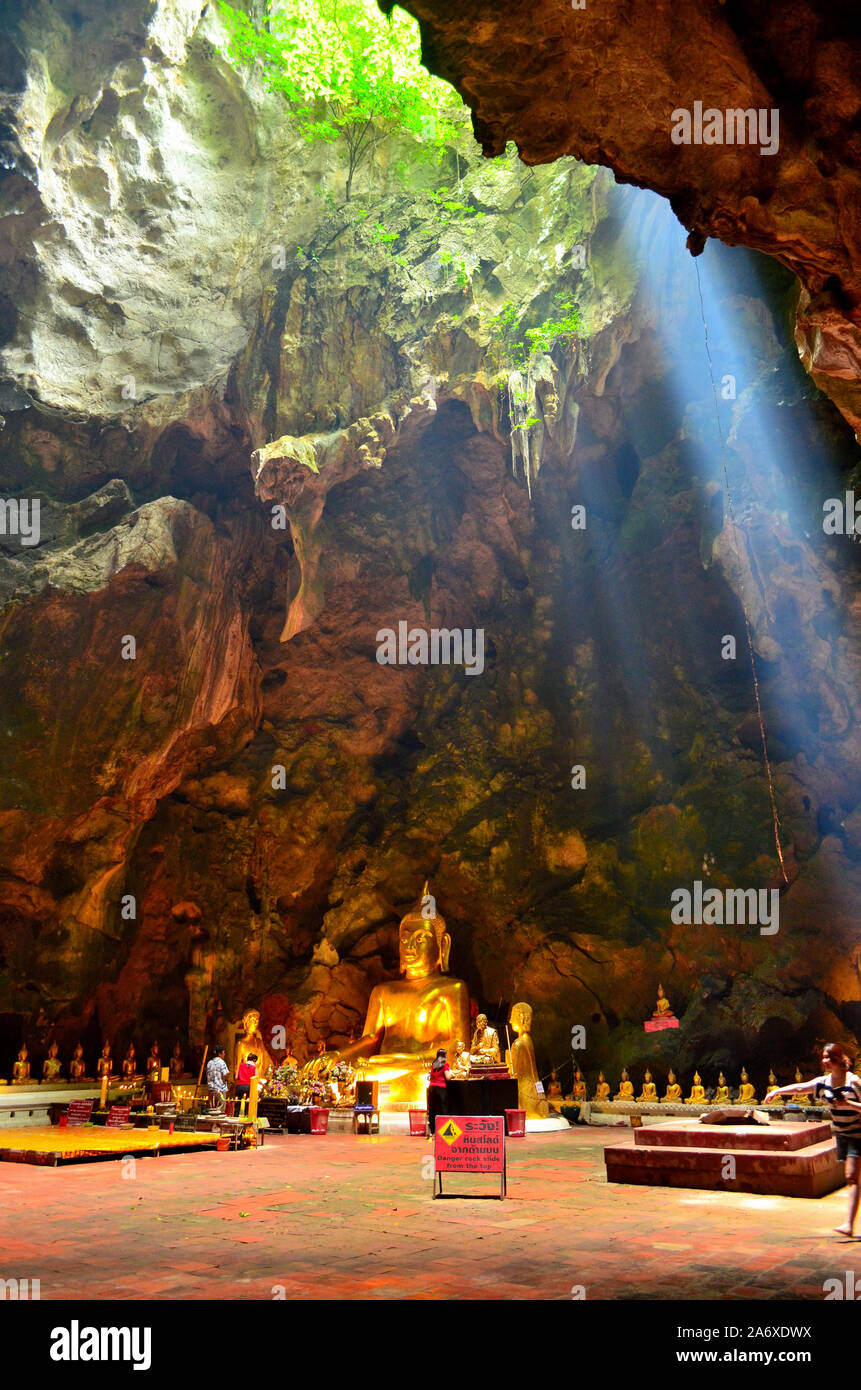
[554, 1087]
[52, 1066]
[722, 1095]
[697, 1095]
[177, 1064]
[662, 1008]
[153, 1063]
[130, 1065]
[578, 1087]
[77, 1066]
[460, 1065]
[626, 1089]
[485, 1041]
[407, 1020]
[746, 1092]
[252, 1041]
[674, 1091]
[802, 1098]
[105, 1064]
[521, 1061]
[773, 1083]
[649, 1093]
[602, 1090]
[21, 1068]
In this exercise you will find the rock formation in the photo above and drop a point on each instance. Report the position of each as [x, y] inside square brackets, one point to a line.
[263, 426]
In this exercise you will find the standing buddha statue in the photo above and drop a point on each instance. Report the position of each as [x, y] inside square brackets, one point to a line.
[521, 1061]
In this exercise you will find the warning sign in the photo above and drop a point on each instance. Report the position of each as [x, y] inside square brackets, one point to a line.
[450, 1132]
[469, 1144]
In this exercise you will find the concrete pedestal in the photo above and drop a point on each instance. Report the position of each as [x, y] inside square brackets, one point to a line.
[785, 1159]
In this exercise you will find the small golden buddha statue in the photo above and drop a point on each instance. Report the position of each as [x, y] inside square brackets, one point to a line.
[773, 1083]
[177, 1064]
[674, 1090]
[697, 1095]
[252, 1041]
[409, 1019]
[21, 1068]
[460, 1065]
[77, 1065]
[521, 1061]
[662, 1008]
[626, 1089]
[554, 1087]
[153, 1063]
[578, 1087]
[802, 1098]
[722, 1095]
[485, 1041]
[52, 1066]
[746, 1092]
[105, 1064]
[602, 1090]
[130, 1065]
[649, 1093]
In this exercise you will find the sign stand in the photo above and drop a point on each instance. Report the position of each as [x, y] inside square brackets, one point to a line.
[469, 1144]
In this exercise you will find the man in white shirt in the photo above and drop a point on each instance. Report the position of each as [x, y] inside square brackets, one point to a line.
[216, 1080]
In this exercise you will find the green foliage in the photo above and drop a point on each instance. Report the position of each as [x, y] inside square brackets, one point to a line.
[347, 73]
[518, 347]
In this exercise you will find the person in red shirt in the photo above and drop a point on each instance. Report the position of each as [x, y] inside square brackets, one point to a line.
[437, 1090]
[245, 1073]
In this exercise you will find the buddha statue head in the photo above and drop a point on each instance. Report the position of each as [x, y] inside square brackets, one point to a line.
[671, 1076]
[53, 1049]
[697, 1079]
[23, 1053]
[721, 1079]
[424, 943]
[521, 1018]
[648, 1075]
[106, 1050]
[250, 1022]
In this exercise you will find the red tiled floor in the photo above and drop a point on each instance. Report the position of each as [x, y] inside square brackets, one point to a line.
[350, 1218]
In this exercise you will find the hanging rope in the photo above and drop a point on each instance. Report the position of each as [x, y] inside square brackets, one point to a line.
[747, 629]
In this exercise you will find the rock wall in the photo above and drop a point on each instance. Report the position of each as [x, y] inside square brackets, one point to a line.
[329, 454]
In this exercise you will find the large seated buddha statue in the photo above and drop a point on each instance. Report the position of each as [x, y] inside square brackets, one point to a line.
[409, 1019]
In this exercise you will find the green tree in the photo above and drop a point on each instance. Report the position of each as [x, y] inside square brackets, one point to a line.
[347, 73]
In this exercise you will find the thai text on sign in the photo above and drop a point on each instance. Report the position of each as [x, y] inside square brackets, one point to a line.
[469, 1144]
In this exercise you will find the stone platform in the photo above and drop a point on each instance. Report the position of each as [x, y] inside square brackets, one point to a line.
[784, 1159]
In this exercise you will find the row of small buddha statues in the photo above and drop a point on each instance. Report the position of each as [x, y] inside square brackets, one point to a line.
[674, 1094]
[130, 1069]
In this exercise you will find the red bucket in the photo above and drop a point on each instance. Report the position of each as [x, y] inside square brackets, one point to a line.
[418, 1122]
[515, 1124]
[319, 1120]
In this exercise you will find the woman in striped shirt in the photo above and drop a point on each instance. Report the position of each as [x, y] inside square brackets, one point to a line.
[841, 1090]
